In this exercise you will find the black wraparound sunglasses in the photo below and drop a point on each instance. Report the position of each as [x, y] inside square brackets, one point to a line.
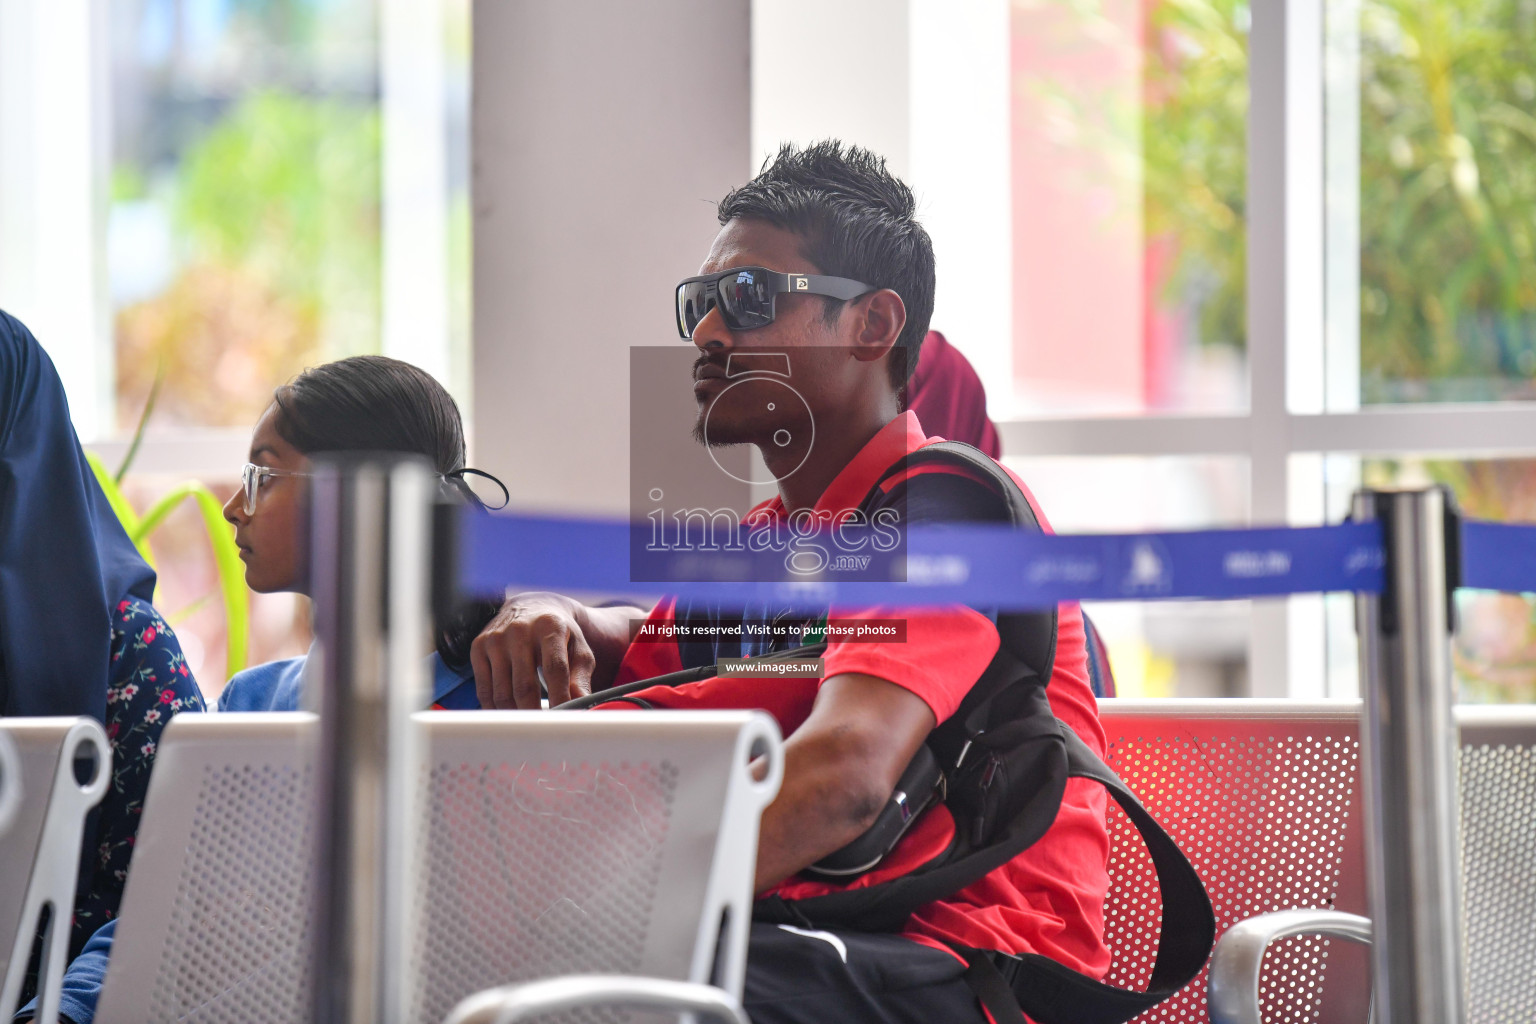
[746, 295]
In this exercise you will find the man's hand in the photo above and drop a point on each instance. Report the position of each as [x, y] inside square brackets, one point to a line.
[574, 647]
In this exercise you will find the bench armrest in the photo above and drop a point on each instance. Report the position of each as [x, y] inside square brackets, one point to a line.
[512, 1003]
[10, 781]
[1232, 992]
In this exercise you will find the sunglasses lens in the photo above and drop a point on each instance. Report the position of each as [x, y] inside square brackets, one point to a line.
[692, 305]
[746, 296]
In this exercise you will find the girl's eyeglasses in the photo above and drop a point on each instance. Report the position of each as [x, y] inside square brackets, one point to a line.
[253, 476]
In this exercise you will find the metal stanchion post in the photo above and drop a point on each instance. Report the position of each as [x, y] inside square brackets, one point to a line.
[1408, 753]
[370, 544]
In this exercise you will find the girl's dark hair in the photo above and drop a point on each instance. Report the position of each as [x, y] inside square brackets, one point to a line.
[378, 404]
[373, 404]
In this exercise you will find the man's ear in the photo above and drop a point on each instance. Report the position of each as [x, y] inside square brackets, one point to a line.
[880, 316]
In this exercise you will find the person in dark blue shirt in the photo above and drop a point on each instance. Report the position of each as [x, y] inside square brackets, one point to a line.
[78, 634]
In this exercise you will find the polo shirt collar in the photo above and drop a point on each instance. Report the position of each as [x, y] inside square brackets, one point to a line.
[900, 437]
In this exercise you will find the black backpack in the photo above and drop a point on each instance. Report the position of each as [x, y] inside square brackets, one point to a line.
[1000, 764]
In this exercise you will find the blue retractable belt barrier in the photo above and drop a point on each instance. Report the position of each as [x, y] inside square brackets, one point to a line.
[1498, 556]
[986, 566]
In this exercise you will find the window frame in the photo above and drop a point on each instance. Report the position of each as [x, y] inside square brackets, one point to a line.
[1303, 55]
[1303, 198]
[61, 287]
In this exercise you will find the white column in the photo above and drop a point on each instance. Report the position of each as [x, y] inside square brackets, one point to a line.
[928, 88]
[1304, 197]
[961, 160]
[832, 70]
[1341, 76]
[1285, 261]
[603, 133]
[53, 162]
[1323, 360]
[413, 93]
[1307, 614]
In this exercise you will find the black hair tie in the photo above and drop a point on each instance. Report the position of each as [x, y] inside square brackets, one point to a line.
[458, 476]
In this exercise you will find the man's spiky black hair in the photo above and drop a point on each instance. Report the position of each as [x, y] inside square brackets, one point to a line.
[855, 219]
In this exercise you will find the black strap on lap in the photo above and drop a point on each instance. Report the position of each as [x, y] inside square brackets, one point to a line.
[993, 990]
[1050, 993]
[1189, 922]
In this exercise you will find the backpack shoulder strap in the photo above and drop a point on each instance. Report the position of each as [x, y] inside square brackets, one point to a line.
[981, 467]
[1053, 994]
[1030, 636]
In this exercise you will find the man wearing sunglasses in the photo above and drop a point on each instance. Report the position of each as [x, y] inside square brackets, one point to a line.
[821, 262]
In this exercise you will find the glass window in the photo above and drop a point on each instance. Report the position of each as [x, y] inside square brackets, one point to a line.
[1157, 648]
[1494, 650]
[256, 213]
[1110, 494]
[1129, 132]
[1447, 198]
[1080, 166]
[244, 228]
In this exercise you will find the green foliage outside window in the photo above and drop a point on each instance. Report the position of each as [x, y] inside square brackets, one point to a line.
[1195, 148]
[276, 210]
[1447, 179]
[1448, 200]
[1447, 185]
[1495, 643]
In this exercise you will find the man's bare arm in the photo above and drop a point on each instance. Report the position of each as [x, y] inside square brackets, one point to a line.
[840, 766]
[840, 769]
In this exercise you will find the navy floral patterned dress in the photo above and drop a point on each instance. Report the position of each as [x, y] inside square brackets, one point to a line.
[148, 683]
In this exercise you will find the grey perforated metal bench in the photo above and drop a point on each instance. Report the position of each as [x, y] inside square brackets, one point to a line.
[1264, 797]
[40, 850]
[10, 781]
[555, 843]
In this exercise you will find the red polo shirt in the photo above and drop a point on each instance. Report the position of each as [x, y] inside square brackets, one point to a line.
[1049, 899]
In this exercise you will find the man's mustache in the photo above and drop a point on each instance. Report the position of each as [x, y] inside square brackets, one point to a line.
[744, 364]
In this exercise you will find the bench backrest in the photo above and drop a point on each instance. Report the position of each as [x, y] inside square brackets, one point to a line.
[40, 851]
[1498, 850]
[1264, 797]
[552, 843]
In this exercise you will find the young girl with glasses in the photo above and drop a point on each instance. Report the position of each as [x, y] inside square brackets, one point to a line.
[366, 403]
